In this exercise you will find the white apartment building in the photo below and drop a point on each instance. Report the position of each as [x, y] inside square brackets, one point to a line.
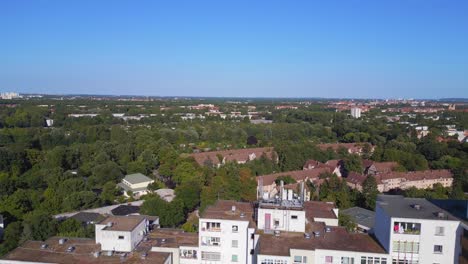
[226, 233]
[356, 112]
[415, 231]
[121, 233]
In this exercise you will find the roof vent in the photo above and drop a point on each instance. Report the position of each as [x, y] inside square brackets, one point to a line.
[109, 224]
[163, 240]
[307, 235]
[242, 215]
[110, 253]
[70, 249]
[417, 206]
[277, 233]
[233, 208]
[440, 214]
[96, 254]
[44, 246]
[316, 233]
[327, 229]
[62, 241]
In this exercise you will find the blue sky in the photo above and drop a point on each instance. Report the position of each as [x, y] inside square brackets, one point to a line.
[271, 48]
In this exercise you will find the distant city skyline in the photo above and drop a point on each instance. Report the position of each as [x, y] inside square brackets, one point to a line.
[270, 49]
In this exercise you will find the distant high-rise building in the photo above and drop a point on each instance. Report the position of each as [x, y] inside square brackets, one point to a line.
[9, 95]
[356, 112]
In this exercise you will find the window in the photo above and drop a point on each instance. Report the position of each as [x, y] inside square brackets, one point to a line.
[234, 258]
[406, 228]
[293, 216]
[212, 256]
[121, 237]
[235, 229]
[406, 247]
[211, 226]
[300, 259]
[188, 254]
[347, 260]
[328, 260]
[273, 261]
[373, 260]
[439, 231]
[235, 243]
[438, 249]
[276, 222]
[404, 261]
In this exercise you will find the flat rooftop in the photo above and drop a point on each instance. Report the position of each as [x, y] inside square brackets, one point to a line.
[222, 209]
[137, 178]
[32, 251]
[361, 216]
[171, 238]
[337, 239]
[315, 209]
[122, 223]
[403, 207]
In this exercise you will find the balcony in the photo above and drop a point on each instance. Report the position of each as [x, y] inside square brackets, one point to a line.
[211, 241]
[407, 228]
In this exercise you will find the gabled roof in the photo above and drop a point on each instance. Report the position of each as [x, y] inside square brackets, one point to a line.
[136, 178]
[361, 216]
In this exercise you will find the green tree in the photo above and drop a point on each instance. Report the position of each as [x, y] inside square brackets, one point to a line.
[170, 214]
[347, 222]
[39, 226]
[11, 237]
[370, 192]
[352, 163]
[189, 193]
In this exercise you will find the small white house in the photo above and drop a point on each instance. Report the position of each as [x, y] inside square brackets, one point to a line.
[121, 233]
[136, 183]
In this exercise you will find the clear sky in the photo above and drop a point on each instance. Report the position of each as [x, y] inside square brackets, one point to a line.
[271, 48]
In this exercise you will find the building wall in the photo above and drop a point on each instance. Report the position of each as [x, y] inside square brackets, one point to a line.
[226, 236]
[382, 227]
[427, 239]
[336, 255]
[285, 219]
[328, 221]
[109, 239]
[308, 254]
[174, 252]
[261, 259]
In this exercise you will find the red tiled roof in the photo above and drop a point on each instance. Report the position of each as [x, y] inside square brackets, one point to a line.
[231, 155]
[299, 175]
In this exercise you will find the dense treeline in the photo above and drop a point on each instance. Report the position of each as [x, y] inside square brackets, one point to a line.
[76, 163]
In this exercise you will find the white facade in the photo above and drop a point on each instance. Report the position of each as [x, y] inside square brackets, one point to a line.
[225, 241]
[348, 257]
[356, 112]
[120, 240]
[281, 219]
[418, 240]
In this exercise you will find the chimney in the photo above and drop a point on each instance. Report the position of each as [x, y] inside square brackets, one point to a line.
[233, 208]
